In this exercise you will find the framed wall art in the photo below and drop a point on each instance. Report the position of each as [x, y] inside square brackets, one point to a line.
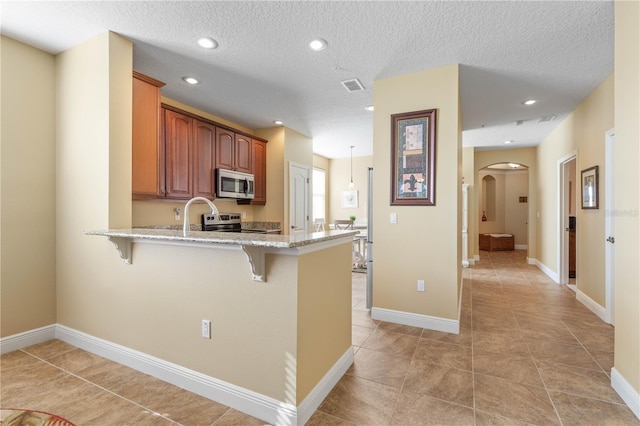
[590, 188]
[349, 199]
[413, 158]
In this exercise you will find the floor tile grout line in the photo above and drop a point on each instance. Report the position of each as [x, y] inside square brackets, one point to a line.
[544, 383]
[69, 373]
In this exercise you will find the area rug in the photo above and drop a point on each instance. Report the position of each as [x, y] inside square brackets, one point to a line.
[19, 417]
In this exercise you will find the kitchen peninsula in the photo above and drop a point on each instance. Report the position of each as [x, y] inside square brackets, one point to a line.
[279, 306]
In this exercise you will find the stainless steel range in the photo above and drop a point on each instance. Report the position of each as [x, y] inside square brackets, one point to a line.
[222, 222]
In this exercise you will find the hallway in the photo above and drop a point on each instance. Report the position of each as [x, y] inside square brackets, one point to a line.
[527, 352]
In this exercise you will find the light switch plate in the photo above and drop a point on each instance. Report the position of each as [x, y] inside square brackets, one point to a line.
[393, 218]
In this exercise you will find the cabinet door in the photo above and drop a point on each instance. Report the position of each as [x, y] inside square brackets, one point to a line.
[259, 167]
[204, 142]
[147, 153]
[243, 153]
[178, 133]
[225, 141]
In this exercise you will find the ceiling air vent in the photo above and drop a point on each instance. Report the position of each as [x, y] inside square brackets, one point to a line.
[546, 118]
[352, 85]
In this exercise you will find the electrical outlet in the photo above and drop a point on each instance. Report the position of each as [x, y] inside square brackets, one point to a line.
[206, 329]
[420, 285]
[177, 213]
[244, 215]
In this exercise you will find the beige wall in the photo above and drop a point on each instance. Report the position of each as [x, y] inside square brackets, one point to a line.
[516, 216]
[340, 178]
[511, 215]
[582, 133]
[274, 210]
[425, 243]
[27, 188]
[526, 157]
[627, 192]
[323, 163]
[324, 314]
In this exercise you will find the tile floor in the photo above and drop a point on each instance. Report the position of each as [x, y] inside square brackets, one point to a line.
[527, 353]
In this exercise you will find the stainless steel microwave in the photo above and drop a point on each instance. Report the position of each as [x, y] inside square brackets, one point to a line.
[232, 184]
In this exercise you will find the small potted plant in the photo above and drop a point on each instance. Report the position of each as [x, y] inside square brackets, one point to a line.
[352, 217]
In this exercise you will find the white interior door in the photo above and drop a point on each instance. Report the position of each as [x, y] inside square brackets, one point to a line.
[566, 193]
[609, 226]
[299, 187]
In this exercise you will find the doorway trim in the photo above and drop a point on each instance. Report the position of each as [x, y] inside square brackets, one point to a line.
[563, 235]
[609, 225]
[306, 202]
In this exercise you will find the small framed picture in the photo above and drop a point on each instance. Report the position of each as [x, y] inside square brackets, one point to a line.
[590, 188]
[350, 199]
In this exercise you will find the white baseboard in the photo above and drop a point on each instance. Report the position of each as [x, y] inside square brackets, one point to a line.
[592, 305]
[520, 247]
[28, 338]
[416, 320]
[311, 403]
[244, 400]
[552, 274]
[628, 394]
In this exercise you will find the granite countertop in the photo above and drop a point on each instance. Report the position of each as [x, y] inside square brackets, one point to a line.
[170, 234]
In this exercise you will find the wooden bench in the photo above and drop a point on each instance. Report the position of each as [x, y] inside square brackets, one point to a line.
[496, 242]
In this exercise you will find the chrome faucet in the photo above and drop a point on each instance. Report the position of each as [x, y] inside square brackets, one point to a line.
[214, 210]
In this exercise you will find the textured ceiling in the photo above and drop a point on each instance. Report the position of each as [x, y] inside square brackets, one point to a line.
[553, 51]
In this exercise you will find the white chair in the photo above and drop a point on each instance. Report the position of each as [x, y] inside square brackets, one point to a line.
[318, 224]
[343, 224]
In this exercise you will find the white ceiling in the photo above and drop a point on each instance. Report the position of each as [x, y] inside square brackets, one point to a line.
[553, 51]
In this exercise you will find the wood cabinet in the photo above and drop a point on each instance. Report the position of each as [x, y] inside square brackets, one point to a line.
[259, 170]
[190, 156]
[175, 153]
[204, 165]
[178, 130]
[572, 253]
[147, 151]
[233, 150]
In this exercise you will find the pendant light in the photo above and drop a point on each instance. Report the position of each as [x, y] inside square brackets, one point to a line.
[351, 185]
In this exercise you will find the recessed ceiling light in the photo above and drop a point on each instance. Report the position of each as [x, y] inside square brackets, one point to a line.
[529, 102]
[207, 43]
[190, 80]
[369, 108]
[508, 142]
[318, 44]
[278, 122]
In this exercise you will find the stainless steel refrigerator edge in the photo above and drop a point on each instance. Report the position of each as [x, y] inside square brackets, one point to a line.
[369, 290]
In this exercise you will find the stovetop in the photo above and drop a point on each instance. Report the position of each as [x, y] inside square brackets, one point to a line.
[221, 222]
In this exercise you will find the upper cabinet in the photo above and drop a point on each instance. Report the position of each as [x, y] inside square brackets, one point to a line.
[148, 146]
[204, 165]
[259, 167]
[176, 153]
[178, 136]
[233, 151]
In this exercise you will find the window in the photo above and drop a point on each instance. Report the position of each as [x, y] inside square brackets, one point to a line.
[318, 194]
